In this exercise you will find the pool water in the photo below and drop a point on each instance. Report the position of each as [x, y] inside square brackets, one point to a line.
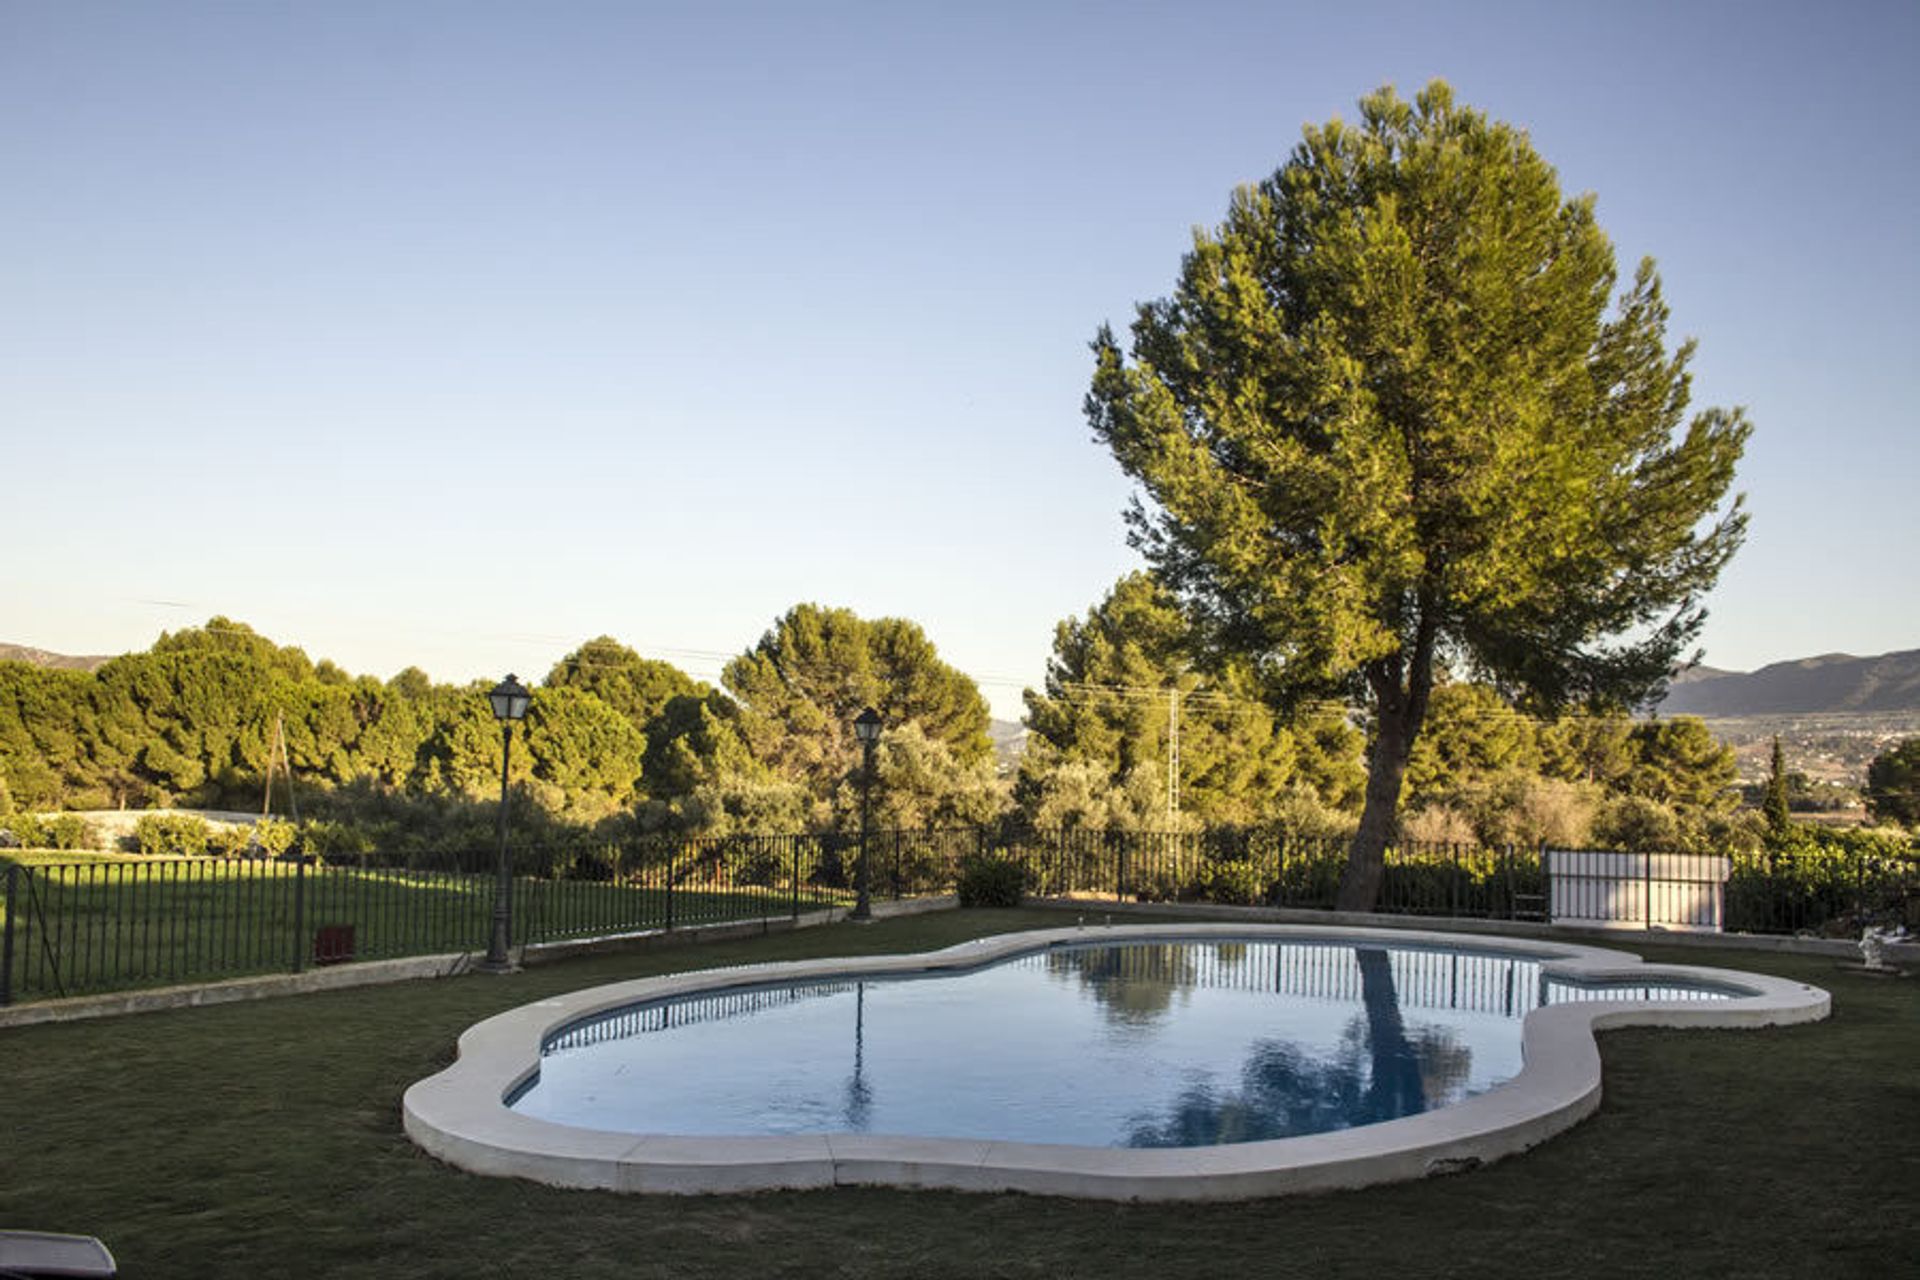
[1127, 1045]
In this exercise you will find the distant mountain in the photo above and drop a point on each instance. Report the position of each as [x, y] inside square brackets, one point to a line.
[1831, 683]
[42, 658]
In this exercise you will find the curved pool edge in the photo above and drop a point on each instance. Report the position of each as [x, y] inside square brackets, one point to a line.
[459, 1116]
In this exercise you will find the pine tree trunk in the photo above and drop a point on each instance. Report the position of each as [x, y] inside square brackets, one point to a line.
[1402, 686]
[1367, 853]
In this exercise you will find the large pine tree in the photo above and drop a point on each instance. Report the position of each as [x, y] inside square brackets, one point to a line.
[1386, 420]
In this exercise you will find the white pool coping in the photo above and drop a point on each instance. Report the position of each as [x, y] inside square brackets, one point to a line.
[460, 1114]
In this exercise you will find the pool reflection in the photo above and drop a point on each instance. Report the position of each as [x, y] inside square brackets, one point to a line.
[1380, 1072]
[1135, 1044]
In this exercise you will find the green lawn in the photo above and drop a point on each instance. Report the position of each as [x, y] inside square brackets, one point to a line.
[114, 922]
[264, 1139]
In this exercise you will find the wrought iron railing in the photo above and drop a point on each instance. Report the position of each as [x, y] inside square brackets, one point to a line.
[72, 927]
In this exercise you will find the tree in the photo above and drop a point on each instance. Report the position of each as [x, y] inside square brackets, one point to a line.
[1470, 732]
[638, 688]
[1893, 784]
[1678, 761]
[1385, 420]
[800, 687]
[1779, 816]
[657, 698]
[1115, 682]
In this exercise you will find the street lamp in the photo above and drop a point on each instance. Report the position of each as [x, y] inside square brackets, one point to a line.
[510, 700]
[866, 727]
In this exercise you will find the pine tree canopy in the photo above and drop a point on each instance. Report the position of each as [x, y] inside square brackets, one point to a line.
[1387, 409]
[1394, 414]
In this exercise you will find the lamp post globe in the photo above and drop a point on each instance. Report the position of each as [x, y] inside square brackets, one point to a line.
[509, 700]
[866, 728]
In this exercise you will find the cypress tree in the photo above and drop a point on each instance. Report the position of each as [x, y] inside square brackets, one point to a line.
[1778, 818]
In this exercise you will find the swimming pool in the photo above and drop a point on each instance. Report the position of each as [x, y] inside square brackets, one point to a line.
[1127, 1044]
[820, 1073]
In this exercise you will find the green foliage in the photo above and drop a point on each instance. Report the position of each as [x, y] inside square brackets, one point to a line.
[71, 831]
[1084, 794]
[919, 783]
[274, 837]
[28, 831]
[171, 833]
[1511, 807]
[335, 841]
[1102, 730]
[1678, 761]
[1470, 732]
[1385, 416]
[228, 840]
[1823, 878]
[1635, 824]
[989, 881]
[1236, 882]
[799, 689]
[1779, 814]
[1893, 784]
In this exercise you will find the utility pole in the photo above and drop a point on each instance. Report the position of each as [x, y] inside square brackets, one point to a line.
[1173, 751]
[277, 757]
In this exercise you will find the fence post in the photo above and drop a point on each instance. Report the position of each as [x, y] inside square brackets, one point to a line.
[299, 912]
[1546, 883]
[1453, 880]
[794, 866]
[6, 946]
[1120, 870]
[1511, 914]
[670, 847]
[1646, 890]
[1860, 888]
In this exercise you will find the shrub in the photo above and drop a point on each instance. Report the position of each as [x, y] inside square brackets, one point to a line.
[337, 842]
[987, 881]
[1634, 824]
[70, 831]
[28, 832]
[273, 836]
[1437, 823]
[228, 840]
[592, 866]
[1236, 882]
[171, 833]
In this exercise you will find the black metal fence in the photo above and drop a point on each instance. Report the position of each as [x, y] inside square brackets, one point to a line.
[75, 927]
[1267, 867]
[1833, 890]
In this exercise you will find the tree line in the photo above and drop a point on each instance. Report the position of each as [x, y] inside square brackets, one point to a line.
[617, 743]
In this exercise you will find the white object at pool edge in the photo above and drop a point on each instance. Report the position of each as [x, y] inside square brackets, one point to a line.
[460, 1114]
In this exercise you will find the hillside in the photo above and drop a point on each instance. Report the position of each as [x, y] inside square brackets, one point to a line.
[42, 658]
[1834, 683]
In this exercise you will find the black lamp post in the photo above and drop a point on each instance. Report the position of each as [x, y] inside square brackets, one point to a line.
[866, 727]
[510, 701]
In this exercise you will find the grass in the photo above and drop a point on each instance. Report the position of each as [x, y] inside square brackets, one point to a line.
[245, 1140]
[114, 923]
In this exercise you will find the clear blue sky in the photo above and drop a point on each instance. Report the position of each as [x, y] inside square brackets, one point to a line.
[457, 333]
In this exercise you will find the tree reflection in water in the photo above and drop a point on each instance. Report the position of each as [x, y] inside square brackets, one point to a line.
[1379, 1073]
[1135, 985]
